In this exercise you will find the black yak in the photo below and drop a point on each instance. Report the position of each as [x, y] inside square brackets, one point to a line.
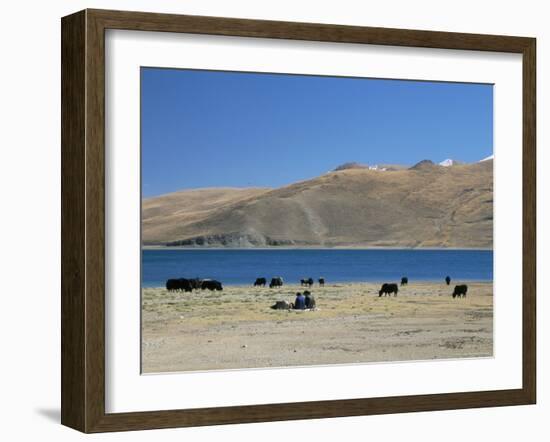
[460, 291]
[179, 284]
[388, 289]
[211, 284]
[172, 284]
[195, 283]
[276, 282]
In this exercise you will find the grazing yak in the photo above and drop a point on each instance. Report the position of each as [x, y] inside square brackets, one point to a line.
[321, 281]
[211, 284]
[388, 289]
[179, 284]
[404, 280]
[307, 282]
[460, 291]
[282, 305]
[448, 280]
[276, 282]
[260, 282]
[196, 283]
[172, 284]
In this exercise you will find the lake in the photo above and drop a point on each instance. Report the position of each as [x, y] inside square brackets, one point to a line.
[243, 266]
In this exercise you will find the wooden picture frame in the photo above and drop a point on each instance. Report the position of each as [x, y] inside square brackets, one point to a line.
[83, 220]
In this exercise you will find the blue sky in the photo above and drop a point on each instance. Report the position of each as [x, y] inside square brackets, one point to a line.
[231, 129]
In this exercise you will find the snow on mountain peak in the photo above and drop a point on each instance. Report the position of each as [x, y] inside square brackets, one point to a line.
[490, 157]
[448, 162]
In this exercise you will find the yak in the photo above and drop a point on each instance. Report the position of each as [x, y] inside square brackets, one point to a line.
[388, 289]
[211, 284]
[260, 282]
[179, 284]
[460, 291]
[172, 284]
[404, 280]
[196, 283]
[276, 282]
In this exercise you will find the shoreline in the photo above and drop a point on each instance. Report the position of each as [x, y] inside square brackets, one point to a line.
[332, 283]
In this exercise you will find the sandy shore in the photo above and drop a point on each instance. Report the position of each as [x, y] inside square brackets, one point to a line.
[236, 328]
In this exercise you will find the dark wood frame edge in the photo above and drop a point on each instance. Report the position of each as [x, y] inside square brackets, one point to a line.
[83, 215]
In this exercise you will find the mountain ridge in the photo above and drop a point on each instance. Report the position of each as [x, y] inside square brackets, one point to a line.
[425, 206]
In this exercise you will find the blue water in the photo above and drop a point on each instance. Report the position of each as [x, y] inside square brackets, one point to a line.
[233, 267]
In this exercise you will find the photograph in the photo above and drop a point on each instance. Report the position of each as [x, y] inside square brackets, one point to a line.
[295, 220]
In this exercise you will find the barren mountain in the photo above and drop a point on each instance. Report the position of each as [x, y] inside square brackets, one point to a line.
[425, 206]
[350, 165]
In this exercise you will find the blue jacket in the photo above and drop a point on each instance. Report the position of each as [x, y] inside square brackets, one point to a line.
[300, 302]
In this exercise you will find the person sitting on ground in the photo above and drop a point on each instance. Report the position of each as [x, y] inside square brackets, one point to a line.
[299, 302]
[310, 300]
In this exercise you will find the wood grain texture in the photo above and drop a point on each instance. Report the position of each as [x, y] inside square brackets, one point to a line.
[83, 220]
[145, 21]
[73, 252]
[95, 221]
[529, 221]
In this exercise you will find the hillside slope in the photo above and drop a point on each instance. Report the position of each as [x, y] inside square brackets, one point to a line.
[425, 206]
